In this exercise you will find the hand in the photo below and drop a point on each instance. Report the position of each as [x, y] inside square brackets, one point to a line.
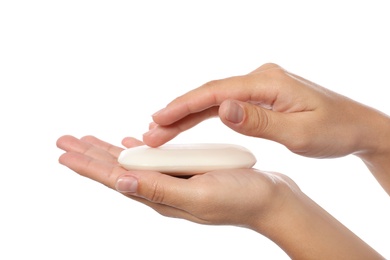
[275, 104]
[269, 203]
[237, 197]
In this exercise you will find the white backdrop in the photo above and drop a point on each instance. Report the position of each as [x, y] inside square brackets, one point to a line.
[103, 67]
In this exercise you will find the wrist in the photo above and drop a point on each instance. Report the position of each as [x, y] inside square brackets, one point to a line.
[376, 155]
[287, 199]
[306, 231]
[375, 136]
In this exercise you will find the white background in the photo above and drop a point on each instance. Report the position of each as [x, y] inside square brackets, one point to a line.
[103, 67]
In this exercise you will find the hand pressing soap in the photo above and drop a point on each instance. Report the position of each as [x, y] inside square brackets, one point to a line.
[186, 159]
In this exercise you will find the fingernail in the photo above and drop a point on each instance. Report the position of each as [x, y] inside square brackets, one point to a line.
[235, 113]
[126, 184]
[158, 112]
[152, 125]
[149, 133]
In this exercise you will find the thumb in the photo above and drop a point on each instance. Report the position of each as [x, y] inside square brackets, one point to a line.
[155, 187]
[253, 120]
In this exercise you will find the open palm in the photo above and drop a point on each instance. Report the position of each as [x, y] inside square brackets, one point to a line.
[237, 197]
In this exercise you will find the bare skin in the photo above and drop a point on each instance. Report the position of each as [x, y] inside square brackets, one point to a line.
[267, 202]
[268, 103]
[275, 104]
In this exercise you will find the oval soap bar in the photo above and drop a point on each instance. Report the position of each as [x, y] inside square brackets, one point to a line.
[186, 159]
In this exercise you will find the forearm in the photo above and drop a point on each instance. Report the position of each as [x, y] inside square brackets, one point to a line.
[306, 231]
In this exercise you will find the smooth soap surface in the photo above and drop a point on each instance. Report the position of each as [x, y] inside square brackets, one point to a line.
[186, 159]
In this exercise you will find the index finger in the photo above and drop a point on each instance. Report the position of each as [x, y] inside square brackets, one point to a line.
[260, 86]
[208, 95]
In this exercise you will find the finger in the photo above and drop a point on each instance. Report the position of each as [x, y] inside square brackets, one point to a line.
[131, 142]
[158, 188]
[261, 85]
[111, 149]
[253, 120]
[159, 135]
[209, 95]
[152, 125]
[71, 144]
[67, 142]
[101, 171]
[249, 119]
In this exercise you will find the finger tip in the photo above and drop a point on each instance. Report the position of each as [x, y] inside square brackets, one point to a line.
[131, 142]
[152, 125]
[87, 138]
[150, 141]
[63, 140]
[63, 158]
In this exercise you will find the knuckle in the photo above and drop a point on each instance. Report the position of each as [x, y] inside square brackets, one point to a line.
[157, 192]
[258, 122]
[277, 73]
[269, 65]
[212, 84]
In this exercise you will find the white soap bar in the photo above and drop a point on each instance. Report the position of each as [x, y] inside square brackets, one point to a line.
[186, 159]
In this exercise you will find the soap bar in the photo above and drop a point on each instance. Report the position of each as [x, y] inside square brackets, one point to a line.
[186, 159]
